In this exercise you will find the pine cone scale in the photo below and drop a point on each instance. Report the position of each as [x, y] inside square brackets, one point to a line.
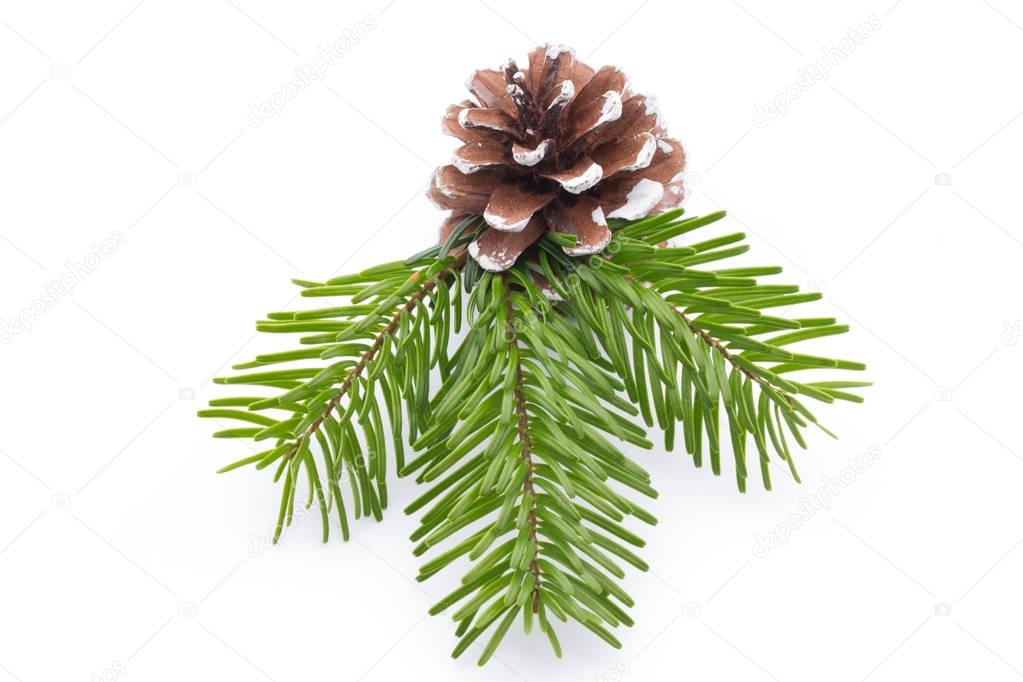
[487, 119]
[526, 156]
[578, 178]
[603, 109]
[511, 206]
[626, 154]
[497, 251]
[639, 114]
[583, 218]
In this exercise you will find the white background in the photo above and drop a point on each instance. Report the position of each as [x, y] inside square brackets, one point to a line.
[892, 186]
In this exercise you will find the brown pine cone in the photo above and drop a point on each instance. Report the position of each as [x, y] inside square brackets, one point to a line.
[556, 146]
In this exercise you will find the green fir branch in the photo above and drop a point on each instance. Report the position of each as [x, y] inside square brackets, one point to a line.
[517, 432]
[701, 343]
[377, 351]
[523, 466]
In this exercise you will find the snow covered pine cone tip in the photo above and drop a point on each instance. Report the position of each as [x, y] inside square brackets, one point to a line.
[555, 146]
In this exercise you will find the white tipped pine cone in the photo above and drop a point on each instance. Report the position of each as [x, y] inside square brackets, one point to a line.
[555, 146]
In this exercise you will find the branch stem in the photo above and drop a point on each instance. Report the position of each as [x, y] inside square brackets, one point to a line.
[371, 352]
[526, 452]
[716, 345]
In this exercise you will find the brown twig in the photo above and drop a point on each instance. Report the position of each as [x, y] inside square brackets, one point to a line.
[371, 352]
[526, 452]
[716, 345]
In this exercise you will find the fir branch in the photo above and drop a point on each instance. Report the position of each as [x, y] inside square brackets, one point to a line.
[378, 342]
[515, 443]
[379, 346]
[723, 351]
[694, 351]
[523, 429]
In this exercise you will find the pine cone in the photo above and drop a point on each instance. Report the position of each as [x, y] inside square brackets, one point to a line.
[556, 146]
